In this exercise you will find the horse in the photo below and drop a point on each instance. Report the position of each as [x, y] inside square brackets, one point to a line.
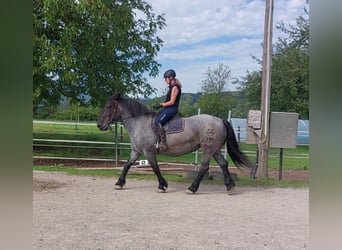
[203, 131]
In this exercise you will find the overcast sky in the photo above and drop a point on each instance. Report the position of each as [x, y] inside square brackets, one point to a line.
[201, 33]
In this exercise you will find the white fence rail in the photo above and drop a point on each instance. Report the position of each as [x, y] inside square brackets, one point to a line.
[64, 123]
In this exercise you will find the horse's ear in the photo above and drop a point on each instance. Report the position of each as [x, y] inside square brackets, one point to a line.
[116, 96]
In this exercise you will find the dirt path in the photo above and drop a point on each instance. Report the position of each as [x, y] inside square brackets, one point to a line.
[82, 212]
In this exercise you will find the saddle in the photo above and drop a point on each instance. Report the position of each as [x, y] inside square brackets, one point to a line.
[174, 126]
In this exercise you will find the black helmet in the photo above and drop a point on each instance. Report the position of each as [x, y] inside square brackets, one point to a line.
[170, 73]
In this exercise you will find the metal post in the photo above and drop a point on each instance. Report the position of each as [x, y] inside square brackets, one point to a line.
[121, 138]
[265, 92]
[116, 143]
[255, 168]
[196, 153]
[225, 145]
[281, 163]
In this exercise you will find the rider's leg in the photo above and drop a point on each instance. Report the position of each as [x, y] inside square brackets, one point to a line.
[157, 123]
[164, 116]
[162, 136]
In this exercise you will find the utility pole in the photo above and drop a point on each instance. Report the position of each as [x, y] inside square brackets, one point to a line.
[265, 92]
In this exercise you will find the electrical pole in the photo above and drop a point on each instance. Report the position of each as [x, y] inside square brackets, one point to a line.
[265, 92]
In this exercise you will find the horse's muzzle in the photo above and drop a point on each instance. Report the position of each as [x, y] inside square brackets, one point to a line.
[102, 127]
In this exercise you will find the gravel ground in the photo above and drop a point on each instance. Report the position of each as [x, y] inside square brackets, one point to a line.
[82, 212]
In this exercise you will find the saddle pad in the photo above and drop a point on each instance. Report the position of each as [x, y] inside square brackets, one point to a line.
[174, 126]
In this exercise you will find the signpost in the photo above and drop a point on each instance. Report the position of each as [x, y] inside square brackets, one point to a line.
[283, 133]
[283, 128]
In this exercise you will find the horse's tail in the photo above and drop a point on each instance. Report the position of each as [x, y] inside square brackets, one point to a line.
[238, 157]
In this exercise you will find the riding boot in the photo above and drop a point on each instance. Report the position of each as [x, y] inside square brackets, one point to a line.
[162, 146]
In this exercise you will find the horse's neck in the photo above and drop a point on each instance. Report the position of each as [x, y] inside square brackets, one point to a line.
[126, 118]
[134, 124]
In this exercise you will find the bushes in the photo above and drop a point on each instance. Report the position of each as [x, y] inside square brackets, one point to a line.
[80, 113]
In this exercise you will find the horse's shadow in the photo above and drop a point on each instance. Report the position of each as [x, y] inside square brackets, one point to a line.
[175, 187]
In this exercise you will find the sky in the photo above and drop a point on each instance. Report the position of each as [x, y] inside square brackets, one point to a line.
[200, 34]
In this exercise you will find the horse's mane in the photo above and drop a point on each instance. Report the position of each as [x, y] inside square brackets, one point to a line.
[136, 108]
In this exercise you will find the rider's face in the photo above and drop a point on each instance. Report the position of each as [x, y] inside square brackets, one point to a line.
[167, 80]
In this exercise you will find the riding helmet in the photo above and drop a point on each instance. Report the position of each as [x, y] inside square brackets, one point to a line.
[170, 73]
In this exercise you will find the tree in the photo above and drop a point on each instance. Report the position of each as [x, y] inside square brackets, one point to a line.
[250, 88]
[290, 72]
[215, 100]
[290, 69]
[290, 82]
[86, 50]
[188, 106]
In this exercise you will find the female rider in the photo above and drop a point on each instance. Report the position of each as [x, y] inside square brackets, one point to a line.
[170, 107]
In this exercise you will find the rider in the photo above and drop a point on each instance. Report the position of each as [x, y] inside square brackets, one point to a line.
[170, 107]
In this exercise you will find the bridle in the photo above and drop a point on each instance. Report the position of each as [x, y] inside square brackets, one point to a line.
[114, 111]
[115, 108]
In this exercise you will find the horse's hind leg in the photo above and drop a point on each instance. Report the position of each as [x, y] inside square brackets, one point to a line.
[228, 181]
[122, 179]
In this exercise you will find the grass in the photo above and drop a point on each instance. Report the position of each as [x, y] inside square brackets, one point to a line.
[241, 181]
[71, 132]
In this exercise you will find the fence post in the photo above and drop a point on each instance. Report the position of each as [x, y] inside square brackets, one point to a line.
[116, 143]
[196, 153]
[225, 145]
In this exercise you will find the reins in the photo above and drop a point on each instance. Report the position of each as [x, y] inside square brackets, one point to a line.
[127, 118]
[114, 111]
[123, 119]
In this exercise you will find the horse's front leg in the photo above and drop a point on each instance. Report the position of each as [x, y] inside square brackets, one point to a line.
[151, 157]
[122, 179]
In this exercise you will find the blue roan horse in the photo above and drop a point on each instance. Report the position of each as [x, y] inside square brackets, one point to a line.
[206, 132]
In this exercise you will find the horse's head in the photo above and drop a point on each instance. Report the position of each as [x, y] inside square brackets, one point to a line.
[109, 113]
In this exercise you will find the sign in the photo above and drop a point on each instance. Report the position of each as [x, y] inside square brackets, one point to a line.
[283, 129]
[253, 132]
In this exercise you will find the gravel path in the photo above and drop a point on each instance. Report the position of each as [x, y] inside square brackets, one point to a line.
[82, 212]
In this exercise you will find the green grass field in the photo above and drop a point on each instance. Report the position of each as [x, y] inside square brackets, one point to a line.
[292, 158]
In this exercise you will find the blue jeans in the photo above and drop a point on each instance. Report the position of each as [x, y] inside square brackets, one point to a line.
[165, 115]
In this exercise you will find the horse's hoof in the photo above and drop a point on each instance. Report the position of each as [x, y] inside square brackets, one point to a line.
[188, 191]
[231, 191]
[162, 190]
[117, 187]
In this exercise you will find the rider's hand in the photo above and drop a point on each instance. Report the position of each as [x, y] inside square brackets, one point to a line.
[156, 106]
